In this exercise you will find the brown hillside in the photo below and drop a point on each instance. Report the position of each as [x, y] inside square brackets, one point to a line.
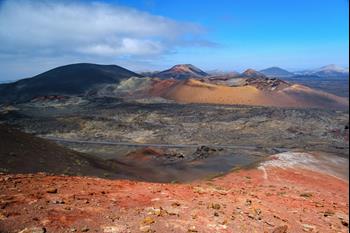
[195, 91]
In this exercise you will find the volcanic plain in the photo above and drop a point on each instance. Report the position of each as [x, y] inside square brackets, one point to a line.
[120, 157]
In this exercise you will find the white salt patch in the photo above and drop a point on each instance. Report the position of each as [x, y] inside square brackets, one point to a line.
[332, 165]
[264, 172]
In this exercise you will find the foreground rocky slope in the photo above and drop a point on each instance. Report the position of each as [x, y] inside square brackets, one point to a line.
[269, 199]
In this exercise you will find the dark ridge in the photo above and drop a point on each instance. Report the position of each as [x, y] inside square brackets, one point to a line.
[25, 153]
[74, 79]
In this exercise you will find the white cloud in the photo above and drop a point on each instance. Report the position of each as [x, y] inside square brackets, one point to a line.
[127, 46]
[34, 28]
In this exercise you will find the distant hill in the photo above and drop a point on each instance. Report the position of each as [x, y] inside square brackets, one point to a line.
[182, 71]
[148, 73]
[250, 73]
[327, 71]
[74, 79]
[276, 72]
[331, 71]
[222, 73]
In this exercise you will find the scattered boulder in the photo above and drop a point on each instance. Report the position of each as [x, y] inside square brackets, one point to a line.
[148, 220]
[146, 228]
[175, 204]
[248, 202]
[345, 223]
[58, 202]
[33, 230]
[203, 152]
[280, 229]
[308, 227]
[114, 229]
[215, 206]
[192, 229]
[85, 229]
[306, 195]
[51, 190]
[328, 213]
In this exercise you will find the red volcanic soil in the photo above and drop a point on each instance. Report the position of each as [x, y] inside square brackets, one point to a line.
[260, 92]
[144, 154]
[257, 200]
[160, 87]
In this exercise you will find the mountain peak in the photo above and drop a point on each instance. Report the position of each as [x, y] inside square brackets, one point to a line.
[252, 73]
[182, 71]
[187, 68]
[184, 66]
[276, 72]
[333, 67]
[331, 70]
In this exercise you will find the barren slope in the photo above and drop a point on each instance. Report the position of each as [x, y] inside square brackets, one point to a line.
[24, 153]
[268, 200]
[194, 91]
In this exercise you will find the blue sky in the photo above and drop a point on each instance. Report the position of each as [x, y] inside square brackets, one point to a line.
[223, 34]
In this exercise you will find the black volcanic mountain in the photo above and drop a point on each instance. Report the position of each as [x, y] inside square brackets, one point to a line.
[183, 71]
[74, 79]
[276, 72]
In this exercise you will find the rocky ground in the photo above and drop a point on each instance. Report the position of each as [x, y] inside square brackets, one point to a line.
[24, 153]
[267, 130]
[114, 120]
[267, 199]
